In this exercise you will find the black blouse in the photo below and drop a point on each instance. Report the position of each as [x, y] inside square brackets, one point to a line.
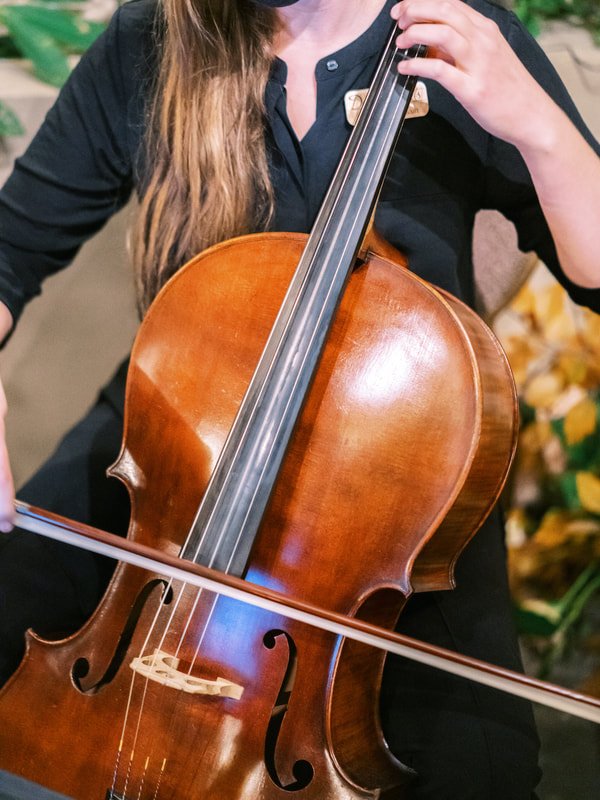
[85, 161]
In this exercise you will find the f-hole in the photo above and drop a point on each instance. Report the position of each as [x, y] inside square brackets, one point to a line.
[302, 770]
[81, 667]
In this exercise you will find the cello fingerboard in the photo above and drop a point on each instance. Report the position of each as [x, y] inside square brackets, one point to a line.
[232, 508]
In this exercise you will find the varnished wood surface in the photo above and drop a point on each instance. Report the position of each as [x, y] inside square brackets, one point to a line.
[397, 398]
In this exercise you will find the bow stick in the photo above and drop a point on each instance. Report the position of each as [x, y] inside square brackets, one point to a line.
[107, 544]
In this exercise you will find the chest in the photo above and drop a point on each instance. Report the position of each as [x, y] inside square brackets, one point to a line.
[301, 97]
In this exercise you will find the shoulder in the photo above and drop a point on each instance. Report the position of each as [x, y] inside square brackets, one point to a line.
[127, 48]
[122, 61]
[131, 35]
[136, 16]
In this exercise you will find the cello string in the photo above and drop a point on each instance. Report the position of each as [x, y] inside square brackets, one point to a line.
[151, 630]
[362, 134]
[170, 617]
[160, 777]
[200, 642]
[143, 648]
[146, 683]
[376, 137]
[124, 729]
[360, 139]
[219, 498]
[143, 779]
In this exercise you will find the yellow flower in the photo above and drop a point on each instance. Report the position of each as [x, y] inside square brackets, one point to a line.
[553, 531]
[588, 490]
[580, 421]
[522, 353]
[574, 366]
[553, 313]
[589, 330]
[544, 389]
[524, 302]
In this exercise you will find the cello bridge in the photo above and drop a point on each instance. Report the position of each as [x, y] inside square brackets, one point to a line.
[163, 668]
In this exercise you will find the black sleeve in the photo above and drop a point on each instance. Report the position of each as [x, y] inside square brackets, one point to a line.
[508, 184]
[77, 171]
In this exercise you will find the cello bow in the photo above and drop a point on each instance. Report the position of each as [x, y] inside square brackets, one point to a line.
[78, 534]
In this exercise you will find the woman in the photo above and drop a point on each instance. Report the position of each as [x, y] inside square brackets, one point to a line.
[228, 117]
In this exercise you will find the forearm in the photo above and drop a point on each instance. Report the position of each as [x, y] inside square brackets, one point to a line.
[566, 174]
[472, 59]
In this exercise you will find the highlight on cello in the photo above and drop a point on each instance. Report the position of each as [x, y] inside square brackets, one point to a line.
[312, 412]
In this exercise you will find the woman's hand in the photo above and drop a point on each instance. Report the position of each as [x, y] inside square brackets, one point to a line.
[468, 56]
[7, 490]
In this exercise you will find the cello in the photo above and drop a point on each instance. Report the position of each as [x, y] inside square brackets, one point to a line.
[172, 694]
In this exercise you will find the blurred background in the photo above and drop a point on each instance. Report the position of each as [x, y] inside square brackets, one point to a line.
[72, 338]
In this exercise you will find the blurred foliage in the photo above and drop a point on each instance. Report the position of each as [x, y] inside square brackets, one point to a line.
[583, 13]
[10, 125]
[553, 522]
[47, 33]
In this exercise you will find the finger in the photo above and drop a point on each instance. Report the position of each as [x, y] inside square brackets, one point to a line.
[7, 491]
[480, 33]
[440, 38]
[451, 12]
[436, 69]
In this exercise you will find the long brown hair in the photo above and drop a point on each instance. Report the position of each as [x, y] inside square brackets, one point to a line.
[204, 144]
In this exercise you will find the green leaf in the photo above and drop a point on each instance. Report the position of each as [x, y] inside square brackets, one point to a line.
[584, 453]
[558, 427]
[582, 13]
[10, 125]
[49, 61]
[64, 27]
[527, 412]
[568, 486]
[7, 48]
[558, 622]
[532, 624]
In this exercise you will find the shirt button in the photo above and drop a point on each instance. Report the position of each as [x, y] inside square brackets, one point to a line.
[332, 65]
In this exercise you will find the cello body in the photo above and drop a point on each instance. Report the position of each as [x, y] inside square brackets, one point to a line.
[400, 451]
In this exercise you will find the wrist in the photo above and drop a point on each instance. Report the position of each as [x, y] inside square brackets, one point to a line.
[545, 135]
